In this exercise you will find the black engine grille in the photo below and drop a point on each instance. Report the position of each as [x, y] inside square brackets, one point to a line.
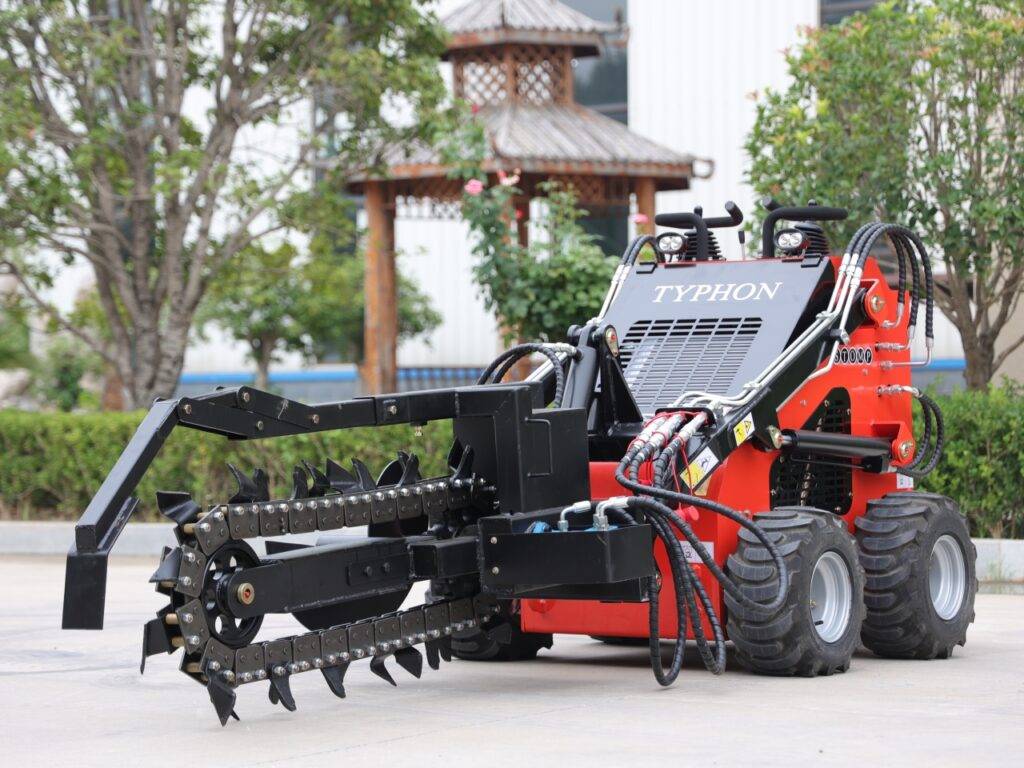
[828, 486]
[662, 359]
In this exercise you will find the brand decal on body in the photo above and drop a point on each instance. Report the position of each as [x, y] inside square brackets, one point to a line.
[676, 294]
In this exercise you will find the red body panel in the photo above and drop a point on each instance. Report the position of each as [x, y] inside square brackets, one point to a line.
[742, 482]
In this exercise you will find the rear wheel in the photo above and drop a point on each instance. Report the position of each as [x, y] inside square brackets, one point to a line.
[817, 629]
[921, 581]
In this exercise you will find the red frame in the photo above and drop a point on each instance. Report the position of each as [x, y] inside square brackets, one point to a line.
[742, 482]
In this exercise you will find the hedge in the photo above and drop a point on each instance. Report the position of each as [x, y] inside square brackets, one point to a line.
[51, 464]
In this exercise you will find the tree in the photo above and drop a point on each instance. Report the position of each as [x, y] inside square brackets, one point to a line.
[122, 127]
[275, 300]
[539, 289]
[914, 113]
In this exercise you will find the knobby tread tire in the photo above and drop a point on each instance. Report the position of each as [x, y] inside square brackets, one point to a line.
[786, 642]
[895, 537]
[515, 645]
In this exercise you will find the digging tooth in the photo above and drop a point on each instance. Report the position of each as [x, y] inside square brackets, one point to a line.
[444, 647]
[261, 481]
[168, 568]
[223, 697]
[339, 478]
[335, 677]
[321, 485]
[392, 473]
[380, 670]
[249, 489]
[300, 484]
[156, 638]
[433, 656]
[410, 660]
[365, 479]
[177, 506]
[410, 470]
[281, 691]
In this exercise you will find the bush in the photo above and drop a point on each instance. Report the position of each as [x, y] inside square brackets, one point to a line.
[54, 462]
[982, 467]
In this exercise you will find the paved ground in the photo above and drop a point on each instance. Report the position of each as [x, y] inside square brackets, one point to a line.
[77, 698]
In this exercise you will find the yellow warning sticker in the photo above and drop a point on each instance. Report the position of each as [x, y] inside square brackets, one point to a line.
[744, 429]
[698, 469]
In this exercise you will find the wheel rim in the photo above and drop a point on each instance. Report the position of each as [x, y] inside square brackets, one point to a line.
[947, 576]
[831, 596]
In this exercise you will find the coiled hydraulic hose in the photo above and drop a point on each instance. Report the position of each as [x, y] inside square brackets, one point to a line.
[919, 467]
[504, 362]
[654, 444]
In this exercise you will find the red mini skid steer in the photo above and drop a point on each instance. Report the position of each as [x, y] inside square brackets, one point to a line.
[726, 452]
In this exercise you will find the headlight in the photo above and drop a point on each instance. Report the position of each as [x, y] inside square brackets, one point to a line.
[671, 243]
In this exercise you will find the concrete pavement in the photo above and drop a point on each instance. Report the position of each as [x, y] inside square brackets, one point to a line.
[76, 698]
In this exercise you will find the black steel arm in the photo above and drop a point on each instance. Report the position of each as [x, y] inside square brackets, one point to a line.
[240, 413]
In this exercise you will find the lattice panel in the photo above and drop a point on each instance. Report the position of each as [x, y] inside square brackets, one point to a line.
[481, 78]
[590, 190]
[540, 73]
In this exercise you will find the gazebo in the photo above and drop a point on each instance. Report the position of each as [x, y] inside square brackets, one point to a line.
[512, 61]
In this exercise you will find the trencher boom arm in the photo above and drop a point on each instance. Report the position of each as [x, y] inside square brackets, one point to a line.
[515, 464]
[237, 413]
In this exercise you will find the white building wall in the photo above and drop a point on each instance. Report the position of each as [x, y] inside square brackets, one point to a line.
[693, 67]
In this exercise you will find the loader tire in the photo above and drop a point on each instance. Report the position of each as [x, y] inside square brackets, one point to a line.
[920, 564]
[817, 629]
[507, 643]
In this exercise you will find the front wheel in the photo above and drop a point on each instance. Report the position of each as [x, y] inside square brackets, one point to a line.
[817, 629]
[921, 581]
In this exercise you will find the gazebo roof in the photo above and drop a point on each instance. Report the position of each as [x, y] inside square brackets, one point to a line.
[481, 23]
[554, 139]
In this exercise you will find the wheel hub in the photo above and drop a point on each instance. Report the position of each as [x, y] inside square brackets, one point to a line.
[947, 575]
[831, 596]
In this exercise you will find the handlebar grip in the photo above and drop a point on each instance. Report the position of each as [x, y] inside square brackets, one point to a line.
[795, 213]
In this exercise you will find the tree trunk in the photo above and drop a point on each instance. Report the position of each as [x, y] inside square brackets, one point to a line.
[156, 371]
[263, 351]
[979, 358]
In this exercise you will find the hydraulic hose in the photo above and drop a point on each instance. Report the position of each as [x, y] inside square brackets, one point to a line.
[504, 362]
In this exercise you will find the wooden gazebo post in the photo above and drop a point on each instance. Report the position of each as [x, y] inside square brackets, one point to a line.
[380, 328]
[512, 60]
[645, 204]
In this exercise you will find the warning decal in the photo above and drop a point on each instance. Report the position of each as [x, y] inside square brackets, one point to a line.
[701, 466]
[744, 429]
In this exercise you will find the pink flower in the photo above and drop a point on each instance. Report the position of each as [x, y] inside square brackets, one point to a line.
[641, 218]
[508, 181]
[474, 187]
[475, 108]
[519, 215]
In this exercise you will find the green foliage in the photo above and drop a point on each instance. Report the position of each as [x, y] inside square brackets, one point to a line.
[914, 112]
[559, 279]
[58, 374]
[101, 162]
[276, 299]
[54, 462]
[14, 334]
[983, 463]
